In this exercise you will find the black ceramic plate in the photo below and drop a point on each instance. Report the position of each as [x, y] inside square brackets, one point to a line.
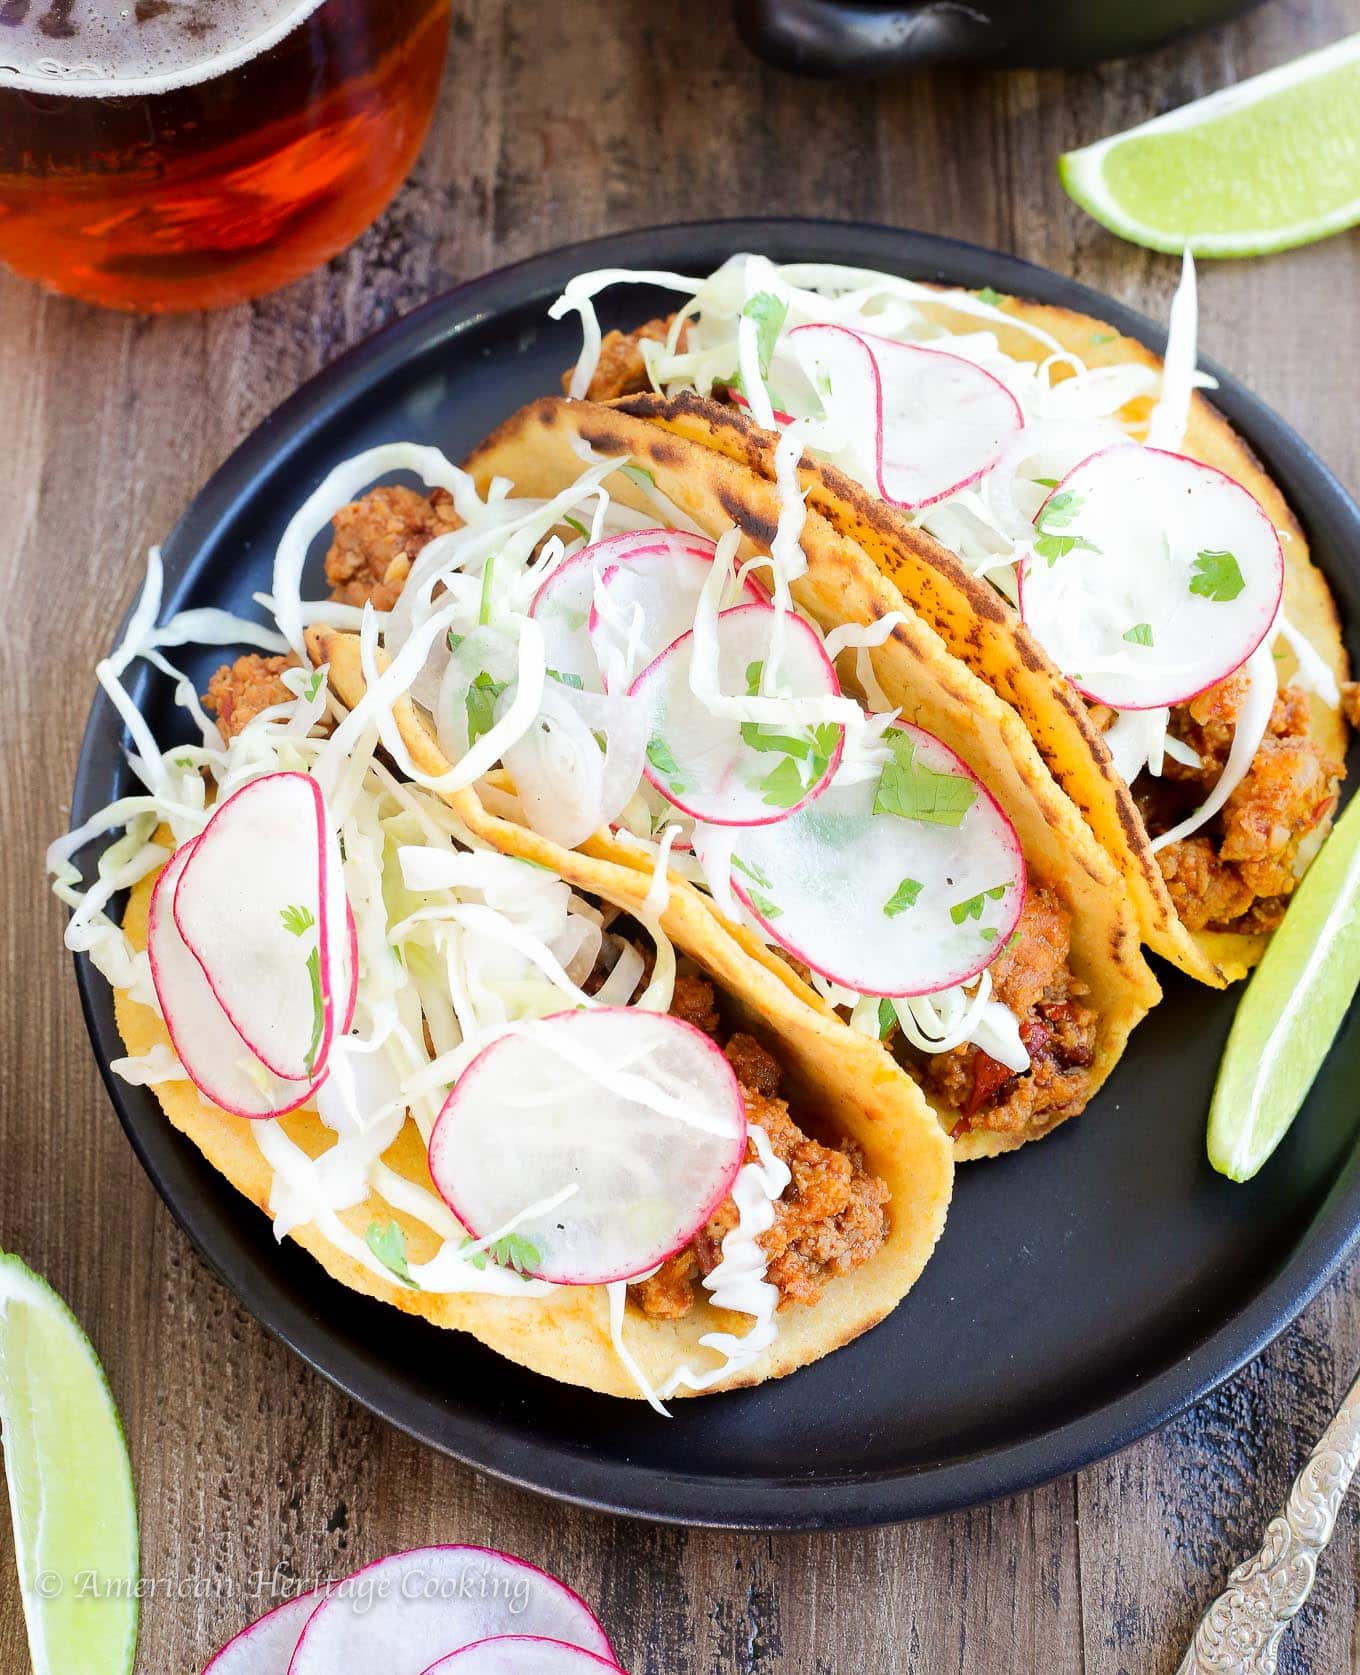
[1086, 1288]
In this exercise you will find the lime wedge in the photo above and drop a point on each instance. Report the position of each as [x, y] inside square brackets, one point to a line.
[70, 1485]
[1291, 1010]
[1265, 165]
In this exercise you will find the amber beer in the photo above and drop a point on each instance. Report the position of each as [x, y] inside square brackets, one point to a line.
[177, 154]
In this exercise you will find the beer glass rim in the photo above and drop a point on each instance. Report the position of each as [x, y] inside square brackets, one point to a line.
[87, 81]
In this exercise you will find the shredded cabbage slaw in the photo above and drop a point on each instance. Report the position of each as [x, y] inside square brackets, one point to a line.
[459, 944]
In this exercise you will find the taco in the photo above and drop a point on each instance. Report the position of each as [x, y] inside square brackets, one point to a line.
[543, 666]
[1175, 654]
[481, 1079]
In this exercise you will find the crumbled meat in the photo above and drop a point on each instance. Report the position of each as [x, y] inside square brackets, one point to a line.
[693, 1003]
[239, 691]
[621, 369]
[1239, 870]
[377, 536]
[1031, 976]
[830, 1219]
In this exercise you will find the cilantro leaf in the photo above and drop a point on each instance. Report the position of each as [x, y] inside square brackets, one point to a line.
[783, 785]
[753, 673]
[1056, 513]
[1059, 510]
[914, 791]
[388, 1244]
[769, 313]
[568, 679]
[755, 737]
[1054, 547]
[997, 891]
[826, 735]
[297, 921]
[659, 754]
[1218, 576]
[1103, 337]
[515, 1251]
[992, 298]
[481, 704]
[906, 895]
[314, 684]
[752, 871]
[988, 933]
[512, 1251]
[763, 905]
[887, 1017]
[1140, 634]
[184, 762]
[577, 525]
[965, 910]
[1045, 482]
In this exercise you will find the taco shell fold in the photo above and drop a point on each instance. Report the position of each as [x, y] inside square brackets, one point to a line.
[982, 630]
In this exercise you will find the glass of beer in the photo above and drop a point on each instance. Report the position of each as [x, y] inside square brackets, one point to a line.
[183, 154]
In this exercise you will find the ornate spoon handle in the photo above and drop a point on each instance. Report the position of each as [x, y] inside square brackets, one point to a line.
[1240, 1633]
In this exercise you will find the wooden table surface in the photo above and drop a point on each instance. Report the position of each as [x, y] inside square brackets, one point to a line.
[557, 122]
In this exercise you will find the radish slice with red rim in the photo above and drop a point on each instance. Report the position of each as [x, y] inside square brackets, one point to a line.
[737, 773]
[522, 1654]
[738, 399]
[261, 906]
[930, 422]
[215, 1058]
[266, 1647]
[905, 885]
[638, 1113]
[1153, 576]
[403, 1613]
[661, 570]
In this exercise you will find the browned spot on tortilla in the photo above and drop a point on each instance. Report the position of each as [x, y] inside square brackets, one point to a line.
[601, 437]
[760, 528]
[666, 452]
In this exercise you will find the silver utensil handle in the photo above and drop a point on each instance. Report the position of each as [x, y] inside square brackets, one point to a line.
[1240, 1632]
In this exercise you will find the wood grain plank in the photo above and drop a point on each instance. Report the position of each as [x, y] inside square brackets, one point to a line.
[557, 123]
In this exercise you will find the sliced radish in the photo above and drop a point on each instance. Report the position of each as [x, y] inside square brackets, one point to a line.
[400, 1615]
[638, 1113]
[657, 583]
[929, 422]
[521, 1654]
[661, 570]
[728, 772]
[907, 901]
[266, 1647]
[261, 907]
[215, 1058]
[1153, 576]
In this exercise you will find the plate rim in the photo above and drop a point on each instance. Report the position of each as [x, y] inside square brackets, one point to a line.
[633, 1489]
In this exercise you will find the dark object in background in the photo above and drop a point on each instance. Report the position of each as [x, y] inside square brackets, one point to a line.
[860, 38]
